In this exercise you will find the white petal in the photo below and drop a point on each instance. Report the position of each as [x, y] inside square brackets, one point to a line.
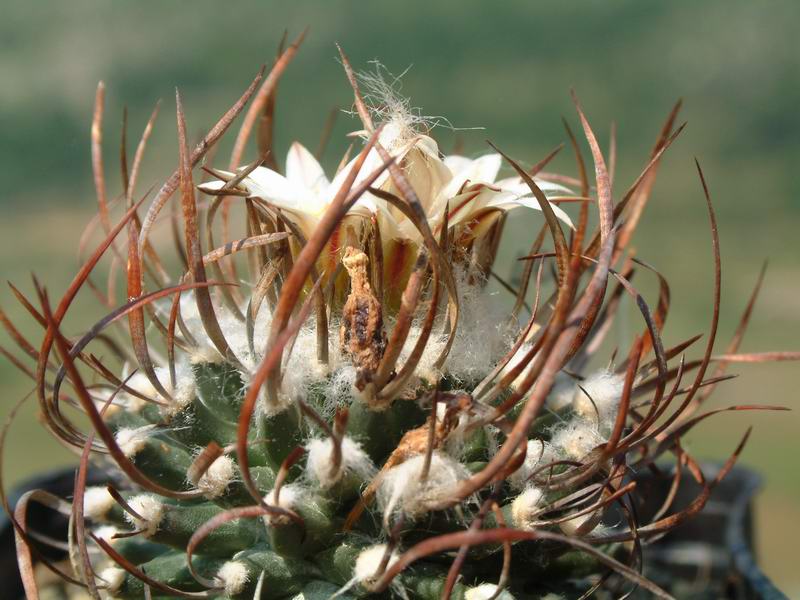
[507, 201]
[277, 189]
[372, 162]
[211, 186]
[483, 169]
[456, 162]
[303, 169]
[516, 185]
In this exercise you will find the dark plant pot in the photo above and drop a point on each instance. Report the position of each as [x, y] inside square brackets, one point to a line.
[710, 555]
[42, 519]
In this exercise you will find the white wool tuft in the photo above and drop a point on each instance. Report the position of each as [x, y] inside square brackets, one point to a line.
[131, 441]
[538, 453]
[605, 390]
[140, 383]
[184, 391]
[402, 489]
[582, 524]
[107, 533]
[114, 578]
[381, 91]
[524, 507]
[340, 389]
[354, 462]
[218, 477]
[233, 575]
[485, 591]
[97, 501]
[577, 438]
[482, 337]
[266, 408]
[562, 392]
[302, 366]
[181, 395]
[369, 561]
[150, 508]
[289, 496]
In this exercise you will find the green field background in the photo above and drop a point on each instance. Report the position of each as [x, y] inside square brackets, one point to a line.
[506, 67]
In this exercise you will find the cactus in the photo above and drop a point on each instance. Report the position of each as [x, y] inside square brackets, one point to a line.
[357, 415]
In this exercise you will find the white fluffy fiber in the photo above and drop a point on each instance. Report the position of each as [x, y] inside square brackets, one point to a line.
[97, 501]
[234, 576]
[131, 440]
[289, 495]
[181, 394]
[355, 462]
[538, 453]
[485, 591]
[114, 578]
[369, 561]
[603, 390]
[481, 339]
[151, 511]
[140, 383]
[217, 477]
[302, 366]
[184, 391]
[525, 506]
[107, 533]
[576, 438]
[403, 490]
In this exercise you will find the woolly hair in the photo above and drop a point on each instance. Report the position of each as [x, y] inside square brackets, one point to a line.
[235, 332]
[97, 501]
[233, 575]
[217, 477]
[403, 489]
[354, 462]
[538, 453]
[369, 561]
[340, 389]
[487, 591]
[388, 107]
[524, 507]
[184, 391]
[576, 438]
[151, 511]
[131, 441]
[114, 578]
[288, 498]
[302, 366]
[482, 343]
[107, 533]
[562, 391]
[599, 398]
[139, 383]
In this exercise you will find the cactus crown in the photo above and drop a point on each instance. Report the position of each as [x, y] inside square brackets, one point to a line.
[355, 416]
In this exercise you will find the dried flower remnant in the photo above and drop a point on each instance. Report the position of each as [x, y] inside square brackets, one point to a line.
[329, 402]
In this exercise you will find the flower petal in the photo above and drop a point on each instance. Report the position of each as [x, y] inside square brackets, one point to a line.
[508, 201]
[483, 169]
[303, 169]
[516, 185]
[277, 189]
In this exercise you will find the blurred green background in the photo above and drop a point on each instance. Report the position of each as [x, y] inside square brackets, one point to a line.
[507, 67]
